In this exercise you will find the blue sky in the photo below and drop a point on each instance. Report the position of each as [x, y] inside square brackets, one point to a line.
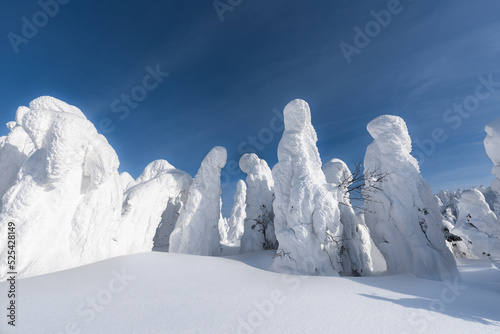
[228, 80]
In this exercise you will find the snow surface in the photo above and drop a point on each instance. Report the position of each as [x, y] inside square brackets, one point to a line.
[306, 215]
[174, 293]
[259, 231]
[197, 229]
[403, 216]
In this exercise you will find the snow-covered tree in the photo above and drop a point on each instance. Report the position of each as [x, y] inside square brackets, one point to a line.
[492, 146]
[152, 204]
[14, 151]
[306, 216]
[236, 220]
[403, 217]
[258, 227]
[356, 244]
[66, 197]
[477, 225]
[197, 228]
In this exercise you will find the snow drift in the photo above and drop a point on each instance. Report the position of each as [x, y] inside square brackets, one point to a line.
[403, 217]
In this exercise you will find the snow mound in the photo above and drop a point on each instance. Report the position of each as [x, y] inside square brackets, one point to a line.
[306, 216]
[197, 229]
[175, 293]
[259, 227]
[403, 216]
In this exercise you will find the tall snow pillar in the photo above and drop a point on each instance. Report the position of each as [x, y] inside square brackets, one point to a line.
[306, 216]
[402, 215]
[197, 229]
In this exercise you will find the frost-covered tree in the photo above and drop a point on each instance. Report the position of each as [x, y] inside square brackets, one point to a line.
[403, 217]
[236, 220]
[150, 208]
[492, 146]
[223, 227]
[14, 151]
[127, 181]
[66, 197]
[477, 225]
[258, 227]
[306, 216]
[356, 244]
[197, 229]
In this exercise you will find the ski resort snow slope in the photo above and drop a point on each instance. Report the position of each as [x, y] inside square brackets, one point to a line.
[174, 293]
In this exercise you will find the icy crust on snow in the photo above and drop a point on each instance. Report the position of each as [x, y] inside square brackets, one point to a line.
[67, 182]
[235, 223]
[259, 231]
[356, 243]
[403, 217]
[478, 225]
[492, 146]
[150, 204]
[196, 231]
[306, 216]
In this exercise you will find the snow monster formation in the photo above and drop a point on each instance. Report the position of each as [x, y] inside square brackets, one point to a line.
[197, 229]
[259, 227]
[236, 220]
[492, 146]
[65, 200]
[403, 217]
[306, 216]
[477, 225]
[60, 186]
[151, 208]
[356, 244]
